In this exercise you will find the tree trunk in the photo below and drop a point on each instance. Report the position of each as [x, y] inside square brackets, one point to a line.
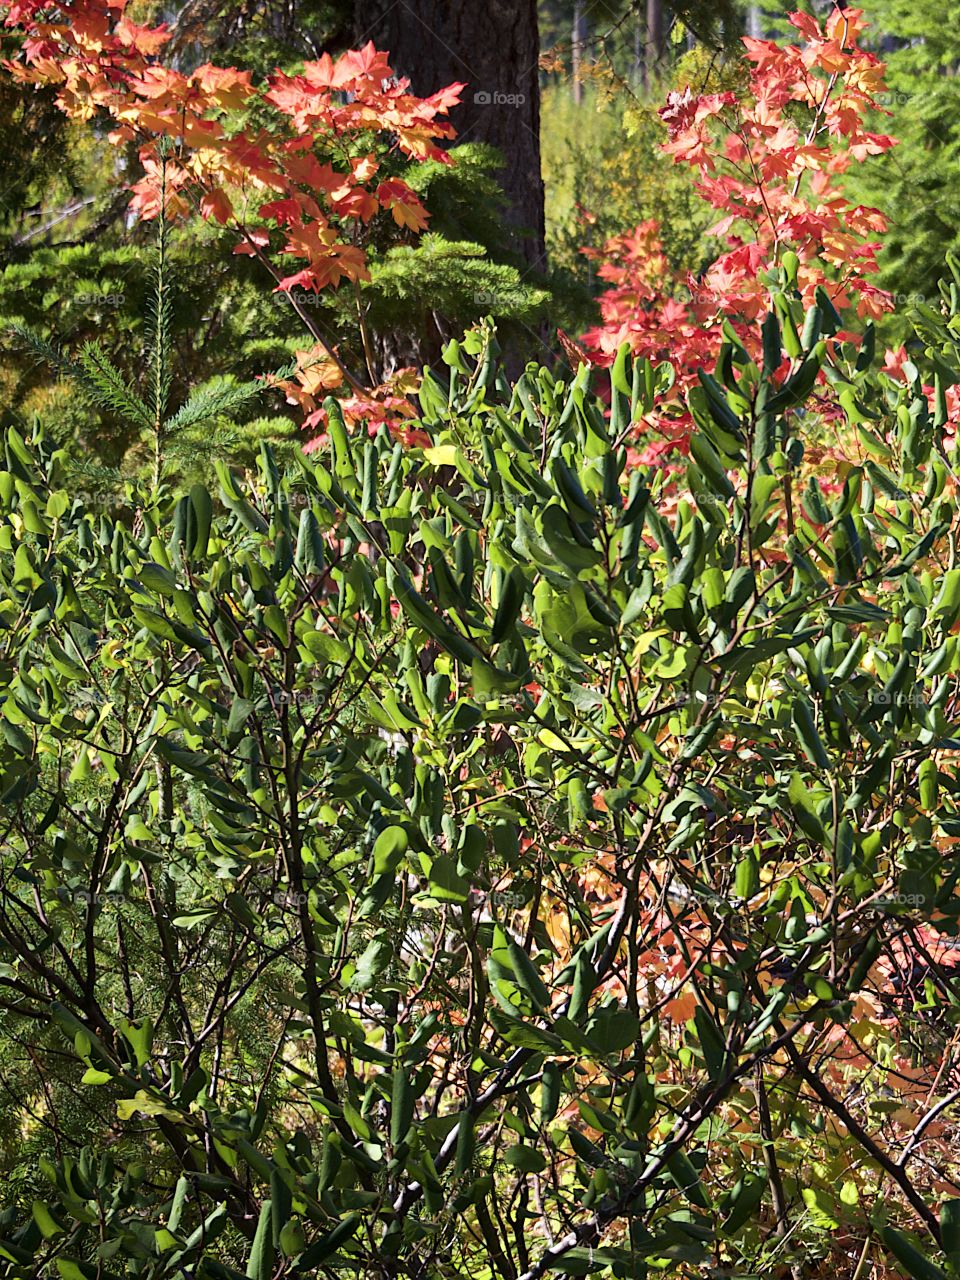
[655, 41]
[494, 47]
[579, 45]
[639, 51]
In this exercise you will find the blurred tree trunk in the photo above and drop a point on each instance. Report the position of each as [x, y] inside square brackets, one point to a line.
[639, 59]
[655, 41]
[495, 48]
[578, 46]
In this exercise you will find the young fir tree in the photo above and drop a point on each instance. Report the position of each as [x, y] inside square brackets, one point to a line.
[917, 184]
[157, 434]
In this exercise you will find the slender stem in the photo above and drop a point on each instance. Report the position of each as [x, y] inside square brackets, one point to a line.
[159, 343]
[364, 334]
[307, 320]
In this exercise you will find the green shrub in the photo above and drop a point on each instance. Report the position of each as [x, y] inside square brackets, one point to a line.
[482, 859]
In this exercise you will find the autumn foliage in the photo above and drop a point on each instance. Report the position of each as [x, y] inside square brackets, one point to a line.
[769, 161]
[299, 189]
[295, 169]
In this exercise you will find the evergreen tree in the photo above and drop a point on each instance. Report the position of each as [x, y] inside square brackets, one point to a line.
[917, 184]
[152, 433]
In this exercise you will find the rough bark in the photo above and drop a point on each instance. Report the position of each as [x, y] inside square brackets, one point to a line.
[493, 46]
